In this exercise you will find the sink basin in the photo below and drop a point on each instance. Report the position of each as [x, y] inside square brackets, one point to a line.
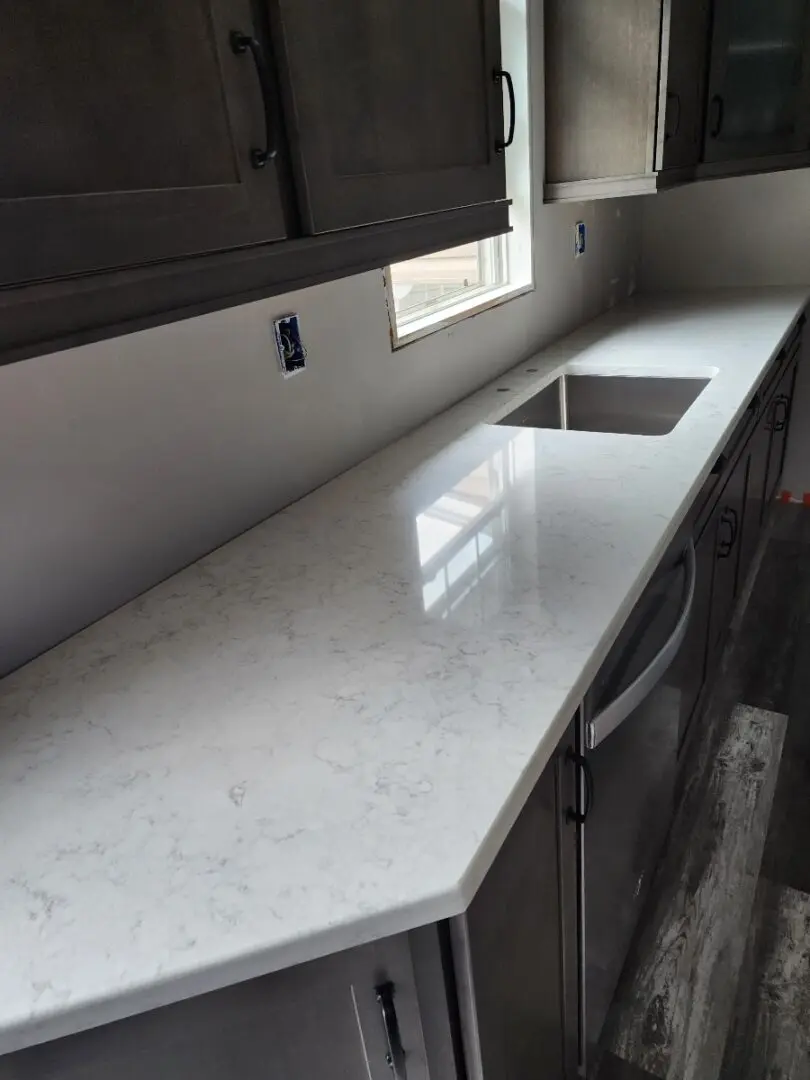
[621, 404]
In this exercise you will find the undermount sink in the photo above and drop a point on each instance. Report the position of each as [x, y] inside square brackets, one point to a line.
[619, 404]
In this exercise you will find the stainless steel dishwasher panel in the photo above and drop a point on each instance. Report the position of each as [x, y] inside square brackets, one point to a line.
[628, 742]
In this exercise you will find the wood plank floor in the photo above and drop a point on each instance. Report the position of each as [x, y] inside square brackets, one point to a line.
[675, 1002]
[717, 984]
[770, 1035]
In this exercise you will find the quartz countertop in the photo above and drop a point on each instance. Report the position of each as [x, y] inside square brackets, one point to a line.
[321, 733]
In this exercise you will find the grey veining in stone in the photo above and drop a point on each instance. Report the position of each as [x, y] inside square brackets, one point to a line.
[675, 1004]
[770, 1036]
[321, 733]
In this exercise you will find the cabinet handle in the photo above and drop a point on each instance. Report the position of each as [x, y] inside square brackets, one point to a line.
[716, 107]
[719, 465]
[395, 1054]
[676, 98]
[240, 44]
[582, 763]
[500, 76]
[725, 547]
[781, 403]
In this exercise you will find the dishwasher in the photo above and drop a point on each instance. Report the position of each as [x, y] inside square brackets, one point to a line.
[627, 753]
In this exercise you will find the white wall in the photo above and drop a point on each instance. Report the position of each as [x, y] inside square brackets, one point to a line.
[122, 461]
[752, 230]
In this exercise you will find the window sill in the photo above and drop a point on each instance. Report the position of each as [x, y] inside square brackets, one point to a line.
[463, 309]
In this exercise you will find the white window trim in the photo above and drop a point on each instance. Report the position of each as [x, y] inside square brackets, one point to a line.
[520, 242]
[472, 303]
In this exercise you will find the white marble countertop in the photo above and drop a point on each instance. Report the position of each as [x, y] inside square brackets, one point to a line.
[321, 733]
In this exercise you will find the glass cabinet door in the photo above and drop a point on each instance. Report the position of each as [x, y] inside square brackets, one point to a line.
[758, 83]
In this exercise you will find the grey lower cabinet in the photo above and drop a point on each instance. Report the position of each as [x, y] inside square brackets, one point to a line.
[729, 516]
[725, 529]
[778, 421]
[489, 994]
[318, 1019]
[515, 948]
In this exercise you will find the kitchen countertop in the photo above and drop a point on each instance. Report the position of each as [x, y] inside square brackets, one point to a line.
[321, 733]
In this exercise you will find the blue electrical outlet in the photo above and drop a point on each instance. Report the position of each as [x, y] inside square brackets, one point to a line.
[292, 356]
[579, 239]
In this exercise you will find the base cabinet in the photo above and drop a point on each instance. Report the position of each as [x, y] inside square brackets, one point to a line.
[744, 484]
[515, 947]
[322, 1018]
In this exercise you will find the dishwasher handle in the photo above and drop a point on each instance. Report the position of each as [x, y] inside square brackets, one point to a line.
[608, 719]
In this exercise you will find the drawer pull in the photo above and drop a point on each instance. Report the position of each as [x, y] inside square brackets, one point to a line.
[582, 763]
[501, 76]
[240, 44]
[395, 1054]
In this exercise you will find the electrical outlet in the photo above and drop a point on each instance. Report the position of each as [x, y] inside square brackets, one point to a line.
[579, 239]
[292, 356]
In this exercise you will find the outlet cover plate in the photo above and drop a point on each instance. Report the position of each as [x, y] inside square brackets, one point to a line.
[579, 239]
[292, 356]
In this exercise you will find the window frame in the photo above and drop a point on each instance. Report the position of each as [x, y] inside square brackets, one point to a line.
[519, 241]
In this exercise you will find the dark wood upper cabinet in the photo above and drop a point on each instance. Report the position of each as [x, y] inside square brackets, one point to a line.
[392, 108]
[127, 132]
[683, 85]
[758, 101]
[165, 159]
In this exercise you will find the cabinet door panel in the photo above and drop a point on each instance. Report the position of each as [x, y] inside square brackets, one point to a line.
[126, 133]
[727, 524]
[778, 419]
[689, 668]
[759, 79]
[392, 107]
[316, 1019]
[683, 106]
[755, 496]
[517, 986]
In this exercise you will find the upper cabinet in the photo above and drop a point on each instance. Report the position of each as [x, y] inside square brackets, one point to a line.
[127, 134]
[601, 96]
[166, 159]
[682, 89]
[759, 79]
[393, 109]
[672, 91]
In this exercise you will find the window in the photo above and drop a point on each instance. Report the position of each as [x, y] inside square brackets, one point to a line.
[427, 293]
[437, 281]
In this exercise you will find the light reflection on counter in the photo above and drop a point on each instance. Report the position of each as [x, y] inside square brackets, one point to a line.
[460, 535]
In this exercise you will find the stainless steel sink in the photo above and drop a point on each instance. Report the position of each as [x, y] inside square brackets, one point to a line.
[629, 405]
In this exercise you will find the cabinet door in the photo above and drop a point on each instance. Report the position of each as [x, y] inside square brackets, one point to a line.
[758, 449]
[759, 79]
[392, 108]
[318, 1019]
[517, 986]
[686, 24]
[127, 132]
[778, 419]
[688, 671]
[727, 525]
